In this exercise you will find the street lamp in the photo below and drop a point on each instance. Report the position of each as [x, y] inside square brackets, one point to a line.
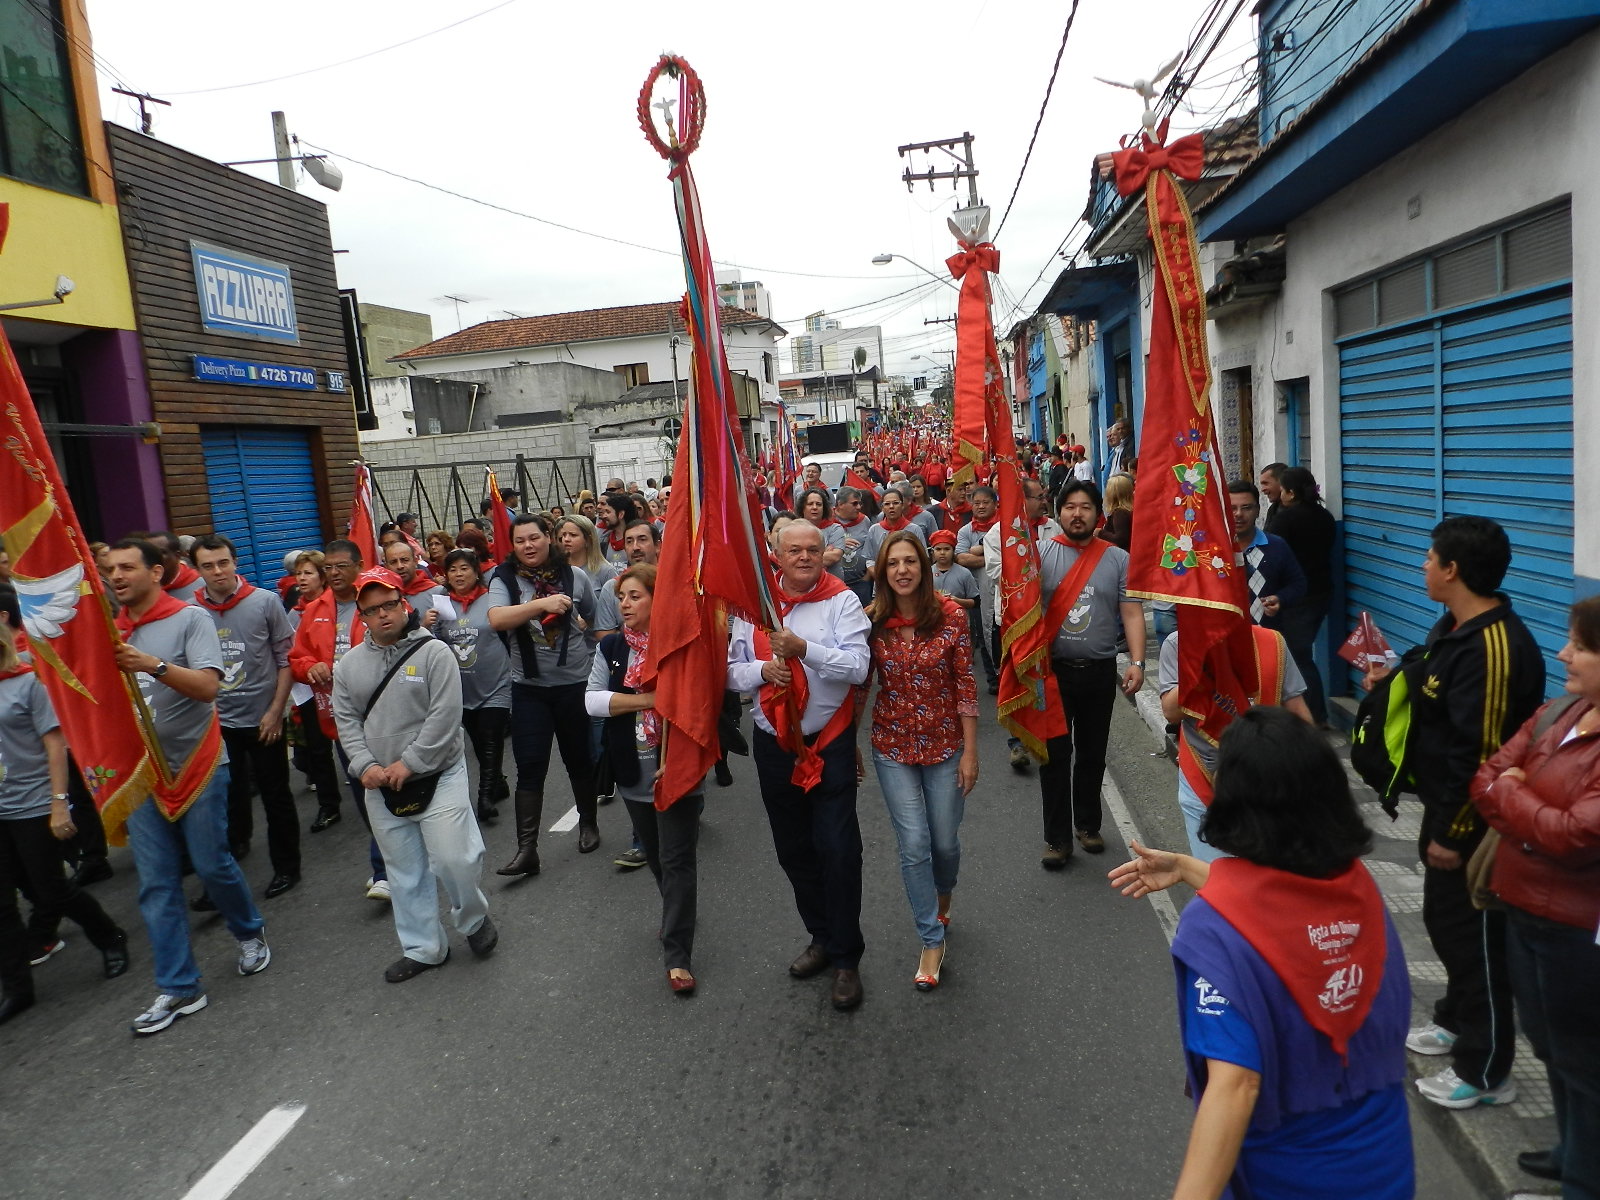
[883, 260]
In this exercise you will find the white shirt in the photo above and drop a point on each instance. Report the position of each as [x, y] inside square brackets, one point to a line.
[991, 553]
[837, 657]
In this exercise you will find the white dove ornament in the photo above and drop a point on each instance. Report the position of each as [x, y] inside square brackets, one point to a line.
[48, 604]
[1146, 88]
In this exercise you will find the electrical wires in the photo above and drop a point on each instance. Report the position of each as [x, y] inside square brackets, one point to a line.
[1039, 121]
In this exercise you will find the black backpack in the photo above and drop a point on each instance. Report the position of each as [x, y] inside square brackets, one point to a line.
[1380, 742]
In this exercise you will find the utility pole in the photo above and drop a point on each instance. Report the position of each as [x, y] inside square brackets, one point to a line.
[143, 99]
[280, 147]
[964, 168]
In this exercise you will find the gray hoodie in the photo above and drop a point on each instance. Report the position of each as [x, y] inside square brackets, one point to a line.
[417, 719]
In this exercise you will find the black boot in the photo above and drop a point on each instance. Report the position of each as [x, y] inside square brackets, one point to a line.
[588, 821]
[491, 748]
[530, 811]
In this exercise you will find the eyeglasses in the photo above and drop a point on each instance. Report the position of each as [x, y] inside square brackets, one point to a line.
[388, 606]
[341, 566]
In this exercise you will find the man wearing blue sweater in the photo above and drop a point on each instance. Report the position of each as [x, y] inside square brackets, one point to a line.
[1271, 572]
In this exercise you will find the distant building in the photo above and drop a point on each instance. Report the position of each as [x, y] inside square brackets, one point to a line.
[827, 346]
[748, 294]
[386, 332]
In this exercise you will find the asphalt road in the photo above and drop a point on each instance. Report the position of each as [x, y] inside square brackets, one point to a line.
[1046, 1064]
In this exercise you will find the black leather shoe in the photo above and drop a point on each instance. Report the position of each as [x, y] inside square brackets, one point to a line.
[115, 956]
[202, 903]
[281, 884]
[847, 991]
[10, 1006]
[724, 776]
[325, 818]
[588, 838]
[1541, 1164]
[811, 962]
[484, 938]
[96, 870]
[410, 968]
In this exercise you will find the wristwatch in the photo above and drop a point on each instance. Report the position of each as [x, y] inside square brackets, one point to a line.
[160, 668]
[63, 797]
[1138, 663]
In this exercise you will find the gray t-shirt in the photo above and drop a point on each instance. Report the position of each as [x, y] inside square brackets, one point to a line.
[480, 653]
[607, 613]
[1294, 684]
[255, 636]
[833, 539]
[1094, 621]
[957, 582]
[26, 716]
[579, 649]
[344, 615]
[186, 639]
[853, 566]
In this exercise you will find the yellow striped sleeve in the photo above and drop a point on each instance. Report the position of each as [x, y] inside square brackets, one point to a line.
[1496, 686]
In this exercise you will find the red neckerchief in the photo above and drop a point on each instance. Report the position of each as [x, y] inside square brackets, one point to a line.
[1037, 523]
[785, 706]
[204, 600]
[300, 604]
[185, 576]
[897, 526]
[984, 526]
[959, 514]
[614, 539]
[163, 608]
[825, 524]
[639, 650]
[851, 526]
[1324, 938]
[19, 669]
[419, 583]
[913, 510]
[466, 601]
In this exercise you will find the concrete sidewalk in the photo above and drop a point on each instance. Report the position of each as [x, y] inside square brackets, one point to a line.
[1487, 1140]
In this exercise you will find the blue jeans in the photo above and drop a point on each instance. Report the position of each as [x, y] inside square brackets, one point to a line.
[1194, 811]
[158, 846]
[925, 806]
[359, 794]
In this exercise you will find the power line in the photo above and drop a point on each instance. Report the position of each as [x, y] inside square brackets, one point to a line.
[604, 237]
[229, 87]
[1044, 104]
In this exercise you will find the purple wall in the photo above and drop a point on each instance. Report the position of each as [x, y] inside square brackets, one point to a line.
[109, 368]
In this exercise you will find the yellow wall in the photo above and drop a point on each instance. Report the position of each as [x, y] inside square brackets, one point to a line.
[55, 234]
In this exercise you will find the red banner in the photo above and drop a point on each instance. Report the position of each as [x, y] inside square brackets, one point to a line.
[1182, 544]
[363, 527]
[500, 521]
[65, 614]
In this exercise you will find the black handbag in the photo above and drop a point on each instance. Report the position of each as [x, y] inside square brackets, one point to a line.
[413, 796]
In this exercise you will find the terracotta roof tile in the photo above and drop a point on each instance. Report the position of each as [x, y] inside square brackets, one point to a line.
[588, 325]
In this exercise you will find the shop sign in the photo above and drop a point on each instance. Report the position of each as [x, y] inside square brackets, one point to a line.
[243, 296]
[253, 374]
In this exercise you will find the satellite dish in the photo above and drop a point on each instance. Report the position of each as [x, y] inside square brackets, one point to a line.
[325, 171]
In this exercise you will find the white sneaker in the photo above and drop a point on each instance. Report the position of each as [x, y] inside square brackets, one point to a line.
[378, 889]
[166, 1009]
[254, 955]
[1430, 1039]
[1449, 1090]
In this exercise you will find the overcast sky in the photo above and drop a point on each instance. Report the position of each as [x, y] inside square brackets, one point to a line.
[531, 106]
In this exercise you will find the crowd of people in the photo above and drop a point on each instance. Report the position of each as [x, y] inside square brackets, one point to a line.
[374, 678]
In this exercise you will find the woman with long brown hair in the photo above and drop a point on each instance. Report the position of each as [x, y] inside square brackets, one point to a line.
[924, 733]
[633, 751]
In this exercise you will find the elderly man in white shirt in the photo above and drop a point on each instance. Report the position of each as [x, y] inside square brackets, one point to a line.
[808, 775]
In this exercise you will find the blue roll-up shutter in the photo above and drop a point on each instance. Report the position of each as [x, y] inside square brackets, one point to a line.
[1464, 414]
[263, 495]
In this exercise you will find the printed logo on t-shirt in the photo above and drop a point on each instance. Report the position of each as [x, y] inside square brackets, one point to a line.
[341, 639]
[232, 660]
[1081, 614]
[1340, 991]
[463, 637]
[1208, 1000]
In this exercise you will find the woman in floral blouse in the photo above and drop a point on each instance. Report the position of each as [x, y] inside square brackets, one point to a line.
[924, 733]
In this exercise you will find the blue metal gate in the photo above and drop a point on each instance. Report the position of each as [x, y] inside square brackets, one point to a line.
[1463, 414]
[263, 495]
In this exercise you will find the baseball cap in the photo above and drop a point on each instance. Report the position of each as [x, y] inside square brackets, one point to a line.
[942, 537]
[378, 577]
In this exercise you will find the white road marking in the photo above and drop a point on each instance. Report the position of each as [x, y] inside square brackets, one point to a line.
[1166, 911]
[247, 1153]
[568, 821]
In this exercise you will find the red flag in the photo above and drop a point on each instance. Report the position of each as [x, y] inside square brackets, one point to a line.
[500, 520]
[66, 617]
[711, 555]
[363, 528]
[860, 482]
[1182, 547]
[1366, 646]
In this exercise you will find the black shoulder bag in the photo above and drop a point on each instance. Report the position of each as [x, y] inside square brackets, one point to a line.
[416, 793]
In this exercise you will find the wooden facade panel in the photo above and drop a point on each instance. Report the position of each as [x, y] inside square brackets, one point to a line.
[170, 197]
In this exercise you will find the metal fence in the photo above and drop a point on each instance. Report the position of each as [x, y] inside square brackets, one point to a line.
[445, 494]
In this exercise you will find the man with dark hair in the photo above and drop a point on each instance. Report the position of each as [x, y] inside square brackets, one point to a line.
[255, 635]
[1480, 678]
[1087, 609]
[1271, 488]
[180, 580]
[1272, 574]
[330, 625]
[642, 541]
[170, 650]
[397, 702]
